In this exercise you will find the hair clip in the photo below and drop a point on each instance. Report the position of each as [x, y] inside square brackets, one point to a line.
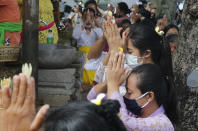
[98, 100]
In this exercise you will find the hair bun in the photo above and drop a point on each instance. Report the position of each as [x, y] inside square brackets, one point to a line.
[109, 109]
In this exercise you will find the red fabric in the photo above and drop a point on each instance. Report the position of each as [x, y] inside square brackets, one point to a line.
[9, 11]
[119, 20]
[21, 37]
[46, 27]
[94, 83]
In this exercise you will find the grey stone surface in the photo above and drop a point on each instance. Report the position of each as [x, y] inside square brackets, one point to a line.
[53, 56]
[57, 75]
[59, 86]
[54, 100]
[54, 90]
[54, 85]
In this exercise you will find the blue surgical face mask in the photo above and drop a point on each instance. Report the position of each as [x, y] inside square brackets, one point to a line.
[132, 61]
[133, 106]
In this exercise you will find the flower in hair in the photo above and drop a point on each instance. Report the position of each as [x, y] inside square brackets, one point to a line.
[157, 29]
[98, 100]
[121, 50]
[110, 13]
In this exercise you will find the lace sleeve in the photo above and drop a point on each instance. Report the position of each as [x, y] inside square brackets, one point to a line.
[92, 94]
[100, 73]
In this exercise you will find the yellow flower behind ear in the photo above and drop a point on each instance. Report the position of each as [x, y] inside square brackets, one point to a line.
[157, 29]
[98, 100]
[110, 13]
[159, 32]
[121, 50]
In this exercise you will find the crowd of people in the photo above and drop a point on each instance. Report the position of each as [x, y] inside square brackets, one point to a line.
[127, 69]
[89, 32]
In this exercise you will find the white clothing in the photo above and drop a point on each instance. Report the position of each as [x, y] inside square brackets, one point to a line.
[84, 39]
[93, 64]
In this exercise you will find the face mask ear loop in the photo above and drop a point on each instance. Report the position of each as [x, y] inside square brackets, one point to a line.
[142, 96]
[145, 105]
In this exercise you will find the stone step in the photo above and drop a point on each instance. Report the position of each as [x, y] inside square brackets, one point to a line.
[57, 75]
[55, 90]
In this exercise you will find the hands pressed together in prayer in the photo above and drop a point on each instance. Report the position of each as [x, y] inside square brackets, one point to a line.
[116, 74]
[113, 36]
[17, 106]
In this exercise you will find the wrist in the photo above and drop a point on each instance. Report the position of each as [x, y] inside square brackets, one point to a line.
[113, 86]
[114, 51]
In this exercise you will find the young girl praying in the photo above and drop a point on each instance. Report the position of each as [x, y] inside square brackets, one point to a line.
[86, 36]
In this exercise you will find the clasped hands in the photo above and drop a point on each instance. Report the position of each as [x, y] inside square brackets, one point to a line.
[18, 112]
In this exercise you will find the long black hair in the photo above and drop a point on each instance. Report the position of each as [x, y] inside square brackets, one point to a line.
[124, 8]
[150, 78]
[97, 13]
[145, 38]
[85, 116]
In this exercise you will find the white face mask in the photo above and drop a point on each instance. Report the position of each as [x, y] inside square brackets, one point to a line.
[132, 61]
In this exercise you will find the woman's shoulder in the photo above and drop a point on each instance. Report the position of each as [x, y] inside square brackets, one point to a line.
[158, 122]
[161, 121]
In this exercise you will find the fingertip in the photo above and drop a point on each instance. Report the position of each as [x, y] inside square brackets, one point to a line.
[22, 76]
[44, 109]
[4, 88]
[16, 77]
[32, 79]
[47, 106]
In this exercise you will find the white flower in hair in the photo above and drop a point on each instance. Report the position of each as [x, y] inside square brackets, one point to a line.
[159, 32]
[98, 100]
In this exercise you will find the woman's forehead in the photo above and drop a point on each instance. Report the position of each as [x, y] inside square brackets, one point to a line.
[132, 80]
[132, 83]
